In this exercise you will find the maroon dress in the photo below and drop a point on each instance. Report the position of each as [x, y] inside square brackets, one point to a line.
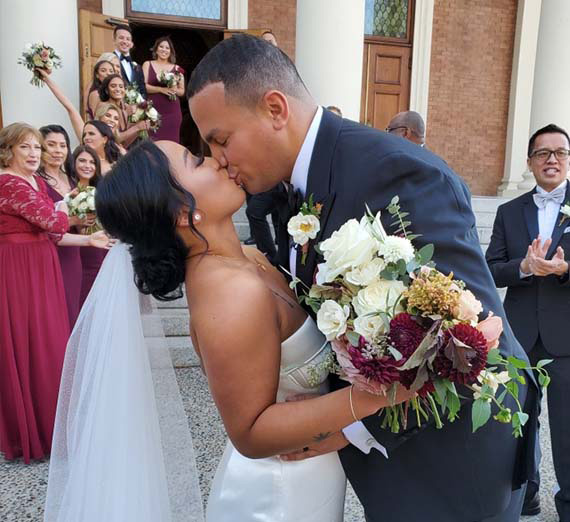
[34, 326]
[169, 110]
[91, 260]
[70, 261]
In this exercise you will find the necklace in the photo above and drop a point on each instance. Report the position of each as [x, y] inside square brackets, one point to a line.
[259, 265]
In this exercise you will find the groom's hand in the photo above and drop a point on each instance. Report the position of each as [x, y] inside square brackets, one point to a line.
[334, 442]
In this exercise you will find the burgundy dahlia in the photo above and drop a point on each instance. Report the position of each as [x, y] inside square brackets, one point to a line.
[382, 370]
[406, 335]
[461, 361]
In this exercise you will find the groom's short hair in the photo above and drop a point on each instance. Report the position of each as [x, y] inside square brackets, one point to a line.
[248, 67]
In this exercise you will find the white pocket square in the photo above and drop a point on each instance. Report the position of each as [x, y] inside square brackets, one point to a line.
[566, 230]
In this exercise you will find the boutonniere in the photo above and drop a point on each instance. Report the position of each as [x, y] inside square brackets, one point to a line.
[565, 211]
[305, 226]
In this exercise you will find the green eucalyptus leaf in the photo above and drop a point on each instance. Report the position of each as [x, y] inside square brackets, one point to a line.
[353, 337]
[480, 413]
[543, 362]
[494, 357]
[517, 363]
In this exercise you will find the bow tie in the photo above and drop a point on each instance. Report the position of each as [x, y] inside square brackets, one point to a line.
[126, 58]
[556, 196]
[288, 201]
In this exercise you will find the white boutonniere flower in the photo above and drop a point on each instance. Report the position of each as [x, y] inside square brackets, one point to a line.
[305, 226]
[565, 211]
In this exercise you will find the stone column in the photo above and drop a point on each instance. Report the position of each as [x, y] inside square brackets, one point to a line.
[113, 8]
[516, 175]
[237, 14]
[25, 22]
[329, 51]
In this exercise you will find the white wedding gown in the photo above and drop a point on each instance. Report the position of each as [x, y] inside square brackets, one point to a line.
[273, 490]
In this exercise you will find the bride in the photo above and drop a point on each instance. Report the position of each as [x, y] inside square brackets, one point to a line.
[256, 344]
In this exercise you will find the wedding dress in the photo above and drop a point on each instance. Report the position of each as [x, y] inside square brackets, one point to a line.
[273, 490]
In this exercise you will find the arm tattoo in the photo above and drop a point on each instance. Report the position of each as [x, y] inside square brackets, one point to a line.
[322, 436]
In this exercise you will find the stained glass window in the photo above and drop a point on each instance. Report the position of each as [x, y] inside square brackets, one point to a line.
[388, 18]
[209, 9]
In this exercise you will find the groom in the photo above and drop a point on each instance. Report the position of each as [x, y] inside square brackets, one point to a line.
[259, 120]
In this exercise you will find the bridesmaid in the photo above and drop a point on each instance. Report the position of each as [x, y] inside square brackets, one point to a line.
[161, 96]
[99, 137]
[56, 169]
[113, 90]
[87, 168]
[34, 325]
[102, 69]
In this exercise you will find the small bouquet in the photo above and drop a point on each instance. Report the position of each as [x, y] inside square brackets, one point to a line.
[80, 202]
[132, 95]
[171, 79]
[39, 56]
[145, 111]
[393, 319]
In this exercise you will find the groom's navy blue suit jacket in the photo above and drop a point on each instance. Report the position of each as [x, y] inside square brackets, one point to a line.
[447, 475]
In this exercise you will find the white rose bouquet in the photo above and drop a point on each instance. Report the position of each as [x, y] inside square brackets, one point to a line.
[81, 202]
[394, 320]
[171, 79]
[132, 95]
[39, 56]
[143, 112]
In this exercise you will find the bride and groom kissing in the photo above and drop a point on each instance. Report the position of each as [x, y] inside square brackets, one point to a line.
[253, 338]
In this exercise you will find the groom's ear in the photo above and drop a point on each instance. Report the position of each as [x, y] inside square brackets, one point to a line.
[276, 106]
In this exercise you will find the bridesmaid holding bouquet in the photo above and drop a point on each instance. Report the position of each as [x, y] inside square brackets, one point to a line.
[164, 82]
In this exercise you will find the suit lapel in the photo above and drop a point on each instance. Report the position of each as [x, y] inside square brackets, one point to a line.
[530, 212]
[558, 227]
[319, 184]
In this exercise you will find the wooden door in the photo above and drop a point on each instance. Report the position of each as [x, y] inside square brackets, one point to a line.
[95, 38]
[386, 83]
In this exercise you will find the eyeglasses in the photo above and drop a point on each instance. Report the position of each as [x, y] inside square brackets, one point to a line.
[392, 129]
[543, 155]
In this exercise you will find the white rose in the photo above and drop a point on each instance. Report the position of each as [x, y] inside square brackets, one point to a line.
[369, 326]
[83, 207]
[331, 319]
[302, 228]
[394, 248]
[380, 296]
[349, 247]
[152, 114]
[91, 202]
[366, 274]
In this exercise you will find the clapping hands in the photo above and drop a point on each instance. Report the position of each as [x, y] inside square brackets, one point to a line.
[536, 264]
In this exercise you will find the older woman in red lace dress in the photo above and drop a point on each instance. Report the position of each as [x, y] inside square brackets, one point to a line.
[34, 325]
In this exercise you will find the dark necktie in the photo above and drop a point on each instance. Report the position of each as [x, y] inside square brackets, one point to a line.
[126, 58]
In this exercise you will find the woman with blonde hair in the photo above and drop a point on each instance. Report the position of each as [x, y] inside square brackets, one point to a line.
[34, 324]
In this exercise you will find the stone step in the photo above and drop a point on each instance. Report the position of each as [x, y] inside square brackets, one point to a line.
[175, 322]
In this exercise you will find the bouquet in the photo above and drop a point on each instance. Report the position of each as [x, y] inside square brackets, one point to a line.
[171, 79]
[132, 95]
[80, 202]
[39, 56]
[145, 111]
[394, 320]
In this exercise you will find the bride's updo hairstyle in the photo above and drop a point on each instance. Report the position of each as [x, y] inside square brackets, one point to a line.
[138, 202]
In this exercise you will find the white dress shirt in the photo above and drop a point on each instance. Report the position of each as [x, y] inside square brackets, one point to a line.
[356, 433]
[126, 66]
[547, 217]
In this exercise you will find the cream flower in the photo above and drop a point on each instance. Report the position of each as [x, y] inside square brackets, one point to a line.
[369, 326]
[303, 228]
[468, 307]
[152, 114]
[366, 274]
[394, 248]
[349, 247]
[331, 319]
[491, 379]
[380, 296]
[377, 229]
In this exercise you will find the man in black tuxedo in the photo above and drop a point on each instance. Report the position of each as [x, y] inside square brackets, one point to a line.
[130, 70]
[527, 255]
[256, 114]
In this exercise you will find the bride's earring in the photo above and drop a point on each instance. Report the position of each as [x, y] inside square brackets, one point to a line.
[197, 218]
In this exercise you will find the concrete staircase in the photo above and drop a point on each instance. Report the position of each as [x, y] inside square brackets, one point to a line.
[174, 314]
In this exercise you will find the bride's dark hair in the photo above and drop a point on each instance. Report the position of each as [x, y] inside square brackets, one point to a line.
[138, 202]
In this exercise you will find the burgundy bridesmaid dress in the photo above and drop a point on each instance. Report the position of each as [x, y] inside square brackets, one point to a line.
[91, 260]
[169, 110]
[34, 326]
[70, 261]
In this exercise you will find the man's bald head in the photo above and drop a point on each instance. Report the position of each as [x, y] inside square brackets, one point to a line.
[409, 125]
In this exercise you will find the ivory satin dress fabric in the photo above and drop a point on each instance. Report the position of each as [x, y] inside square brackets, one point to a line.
[272, 490]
